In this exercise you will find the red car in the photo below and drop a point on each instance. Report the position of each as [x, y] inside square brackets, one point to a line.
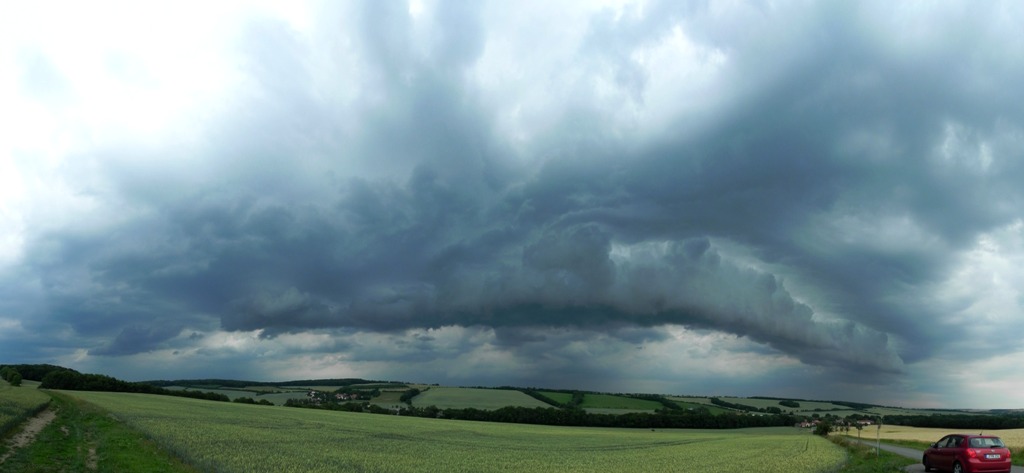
[963, 453]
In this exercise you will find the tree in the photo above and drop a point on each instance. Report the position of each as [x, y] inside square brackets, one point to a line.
[823, 429]
[11, 375]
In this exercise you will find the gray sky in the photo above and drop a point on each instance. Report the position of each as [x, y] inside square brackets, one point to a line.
[806, 199]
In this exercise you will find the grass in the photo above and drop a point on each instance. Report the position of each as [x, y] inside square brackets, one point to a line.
[227, 437]
[388, 398]
[609, 401]
[85, 438]
[459, 398]
[864, 459]
[18, 404]
[277, 398]
[808, 406]
[922, 437]
[713, 409]
[561, 398]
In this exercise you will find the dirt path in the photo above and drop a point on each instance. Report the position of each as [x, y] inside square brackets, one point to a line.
[28, 434]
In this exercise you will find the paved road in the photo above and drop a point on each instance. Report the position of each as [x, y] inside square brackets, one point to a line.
[916, 454]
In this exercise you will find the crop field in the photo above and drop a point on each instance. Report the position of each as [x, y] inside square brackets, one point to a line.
[458, 398]
[235, 438]
[278, 398]
[18, 403]
[608, 401]
[388, 398]
[562, 398]
[692, 399]
[805, 406]
[273, 389]
[687, 404]
[885, 411]
[1014, 438]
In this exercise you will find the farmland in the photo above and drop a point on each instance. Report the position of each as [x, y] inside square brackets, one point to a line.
[697, 403]
[1014, 438]
[277, 396]
[234, 437]
[443, 398]
[18, 403]
[611, 402]
[559, 397]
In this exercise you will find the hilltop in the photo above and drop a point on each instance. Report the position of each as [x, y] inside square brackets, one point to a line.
[529, 404]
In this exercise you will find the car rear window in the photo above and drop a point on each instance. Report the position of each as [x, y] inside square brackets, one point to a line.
[982, 442]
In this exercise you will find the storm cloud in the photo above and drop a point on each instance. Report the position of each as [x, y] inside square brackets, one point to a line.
[632, 196]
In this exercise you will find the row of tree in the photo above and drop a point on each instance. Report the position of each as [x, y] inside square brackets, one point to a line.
[410, 393]
[234, 383]
[664, 418]
[960, 421]
[74, 381]
[56, 377]
[743, 407]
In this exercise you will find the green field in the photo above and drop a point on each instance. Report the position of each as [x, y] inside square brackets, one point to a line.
[805, 406]
[561, 398]
[609, 401]
[278, 398]
[85, 438]
[18, 403]
[215, 436]
[689, 403]
[458, 398]
[272, 389]
[388, 398]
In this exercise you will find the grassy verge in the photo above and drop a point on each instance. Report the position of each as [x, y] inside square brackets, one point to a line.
[863, 459]
[86, 438]
[1016, 458]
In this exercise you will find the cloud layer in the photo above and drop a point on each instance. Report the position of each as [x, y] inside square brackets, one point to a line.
[613, 196]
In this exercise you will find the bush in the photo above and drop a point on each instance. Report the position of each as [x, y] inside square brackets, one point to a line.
[10, 375]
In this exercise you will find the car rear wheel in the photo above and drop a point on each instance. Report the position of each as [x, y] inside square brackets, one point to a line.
[958, 468]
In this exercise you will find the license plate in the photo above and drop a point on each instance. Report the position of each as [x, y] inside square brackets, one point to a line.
[992, 456]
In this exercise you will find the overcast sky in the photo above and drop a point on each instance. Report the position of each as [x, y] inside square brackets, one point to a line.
[809, 199]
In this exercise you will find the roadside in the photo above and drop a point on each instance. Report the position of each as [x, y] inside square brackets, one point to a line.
[914, 454]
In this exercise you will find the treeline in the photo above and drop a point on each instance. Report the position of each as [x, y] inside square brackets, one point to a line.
[574, 402]
[577, 397]
[57, 377]
[32, 372]
[664, 401]
[74, 381]
[959, 421]
[743, 407]
[664, 419]
[234, 383]
[540, 397]
[853, 405]
[249, 400]
[11, 375]
[407, 396]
